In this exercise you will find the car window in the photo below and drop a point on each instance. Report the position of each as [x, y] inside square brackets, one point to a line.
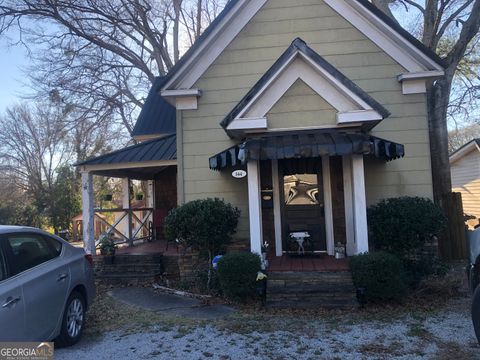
[30, 250]
[3, 266]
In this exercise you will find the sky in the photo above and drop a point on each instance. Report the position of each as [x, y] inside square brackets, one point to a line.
[12, 79]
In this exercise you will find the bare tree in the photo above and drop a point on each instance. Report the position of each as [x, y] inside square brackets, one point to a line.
[103, 55]
[462, 135]
[451, 29]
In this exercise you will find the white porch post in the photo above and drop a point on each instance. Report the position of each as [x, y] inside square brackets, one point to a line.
[255, 206]
[348, 201]
[359, 204]
[277, 217]
[328, 205]
[150, 194]
[88, 213]
[127, 222]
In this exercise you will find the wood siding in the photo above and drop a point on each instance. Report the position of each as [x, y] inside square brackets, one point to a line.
[466, 180]
[253, 52]
[301, 106]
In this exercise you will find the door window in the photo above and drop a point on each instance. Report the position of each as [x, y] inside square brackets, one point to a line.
[301, 189]
[32, 250]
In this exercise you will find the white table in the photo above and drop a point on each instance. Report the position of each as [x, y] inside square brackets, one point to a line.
[300, 237]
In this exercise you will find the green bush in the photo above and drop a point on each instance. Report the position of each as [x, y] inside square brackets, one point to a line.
[237, 273]
[402, 225]
[421, 267]
[380, 274]
[204, 225]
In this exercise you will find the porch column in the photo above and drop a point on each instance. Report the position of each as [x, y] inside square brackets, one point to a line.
[277, 217]
[127, 222]
[348, 201]
[328, 205]
[254, 206]
[150, 201]
[88, 213]
[359, 204]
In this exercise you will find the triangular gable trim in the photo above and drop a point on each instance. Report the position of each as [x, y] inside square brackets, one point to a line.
[464, 150]
[299, 61]
[391, 37]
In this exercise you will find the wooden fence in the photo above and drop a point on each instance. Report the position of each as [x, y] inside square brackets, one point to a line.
[453, 244]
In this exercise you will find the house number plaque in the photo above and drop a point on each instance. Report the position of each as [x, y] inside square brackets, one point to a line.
[239, 174]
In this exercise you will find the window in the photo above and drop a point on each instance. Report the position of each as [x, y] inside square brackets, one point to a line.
[32, 250]
[301, 189]
[3, 266]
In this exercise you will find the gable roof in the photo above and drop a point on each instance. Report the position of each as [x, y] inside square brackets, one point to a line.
[157, 116]
[299, 46]
[206, 36]
[464, 150]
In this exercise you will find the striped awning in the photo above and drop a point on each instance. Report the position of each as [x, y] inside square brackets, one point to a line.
[306, 145]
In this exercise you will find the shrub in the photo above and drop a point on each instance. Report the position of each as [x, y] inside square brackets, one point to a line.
[403, 225]
[237, 273]
[205, 225]
[380, 274]
[421, 267]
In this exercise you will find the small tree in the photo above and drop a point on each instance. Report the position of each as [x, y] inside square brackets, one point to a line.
[204, 225]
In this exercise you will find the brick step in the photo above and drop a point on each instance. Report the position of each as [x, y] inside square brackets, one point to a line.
[133, 259]
[131, 279]
[312, 303]
[128, 268]
[311, 276]
[310, 290]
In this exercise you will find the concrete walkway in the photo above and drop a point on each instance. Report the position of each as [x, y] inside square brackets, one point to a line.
[174, 305]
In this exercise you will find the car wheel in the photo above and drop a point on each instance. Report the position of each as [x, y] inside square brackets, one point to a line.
[73, 320]
[476, 312]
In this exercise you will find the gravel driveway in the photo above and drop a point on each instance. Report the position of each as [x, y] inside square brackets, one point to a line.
[446, 334]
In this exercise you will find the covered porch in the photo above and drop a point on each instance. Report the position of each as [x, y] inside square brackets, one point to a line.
[154, 163]
[306, 193]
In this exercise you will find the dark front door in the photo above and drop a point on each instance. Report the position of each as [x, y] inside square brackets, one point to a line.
[302, 204]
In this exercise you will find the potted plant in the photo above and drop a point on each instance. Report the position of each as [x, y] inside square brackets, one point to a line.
[107, 248]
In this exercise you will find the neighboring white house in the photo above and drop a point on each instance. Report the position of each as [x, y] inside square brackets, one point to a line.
[465, 168]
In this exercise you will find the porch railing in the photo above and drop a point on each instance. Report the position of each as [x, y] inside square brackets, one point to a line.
[141, 231]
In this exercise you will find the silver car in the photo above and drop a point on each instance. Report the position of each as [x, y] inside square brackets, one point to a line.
[46, 286]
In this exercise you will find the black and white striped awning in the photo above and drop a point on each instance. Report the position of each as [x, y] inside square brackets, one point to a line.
[306, 145]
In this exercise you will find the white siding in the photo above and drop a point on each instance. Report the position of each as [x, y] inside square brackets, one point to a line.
[466, 179]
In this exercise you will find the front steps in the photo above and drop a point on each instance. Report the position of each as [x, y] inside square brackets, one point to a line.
[131, 269]
[310, 290]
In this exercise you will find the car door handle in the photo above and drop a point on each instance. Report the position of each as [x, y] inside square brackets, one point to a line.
[10, 301]
[62, 277]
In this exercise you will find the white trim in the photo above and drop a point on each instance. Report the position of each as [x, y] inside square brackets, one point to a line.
[255, 206]
[325, 85]
[248, 124]
[186, 103]
[88, 214]
[181, 93]
[358, 116]
[150, 194]
[421, 75]
[328, 205]
[414, 86]
[125, 225]
[215, 44]
[132, 165]
[277, 215]
[464, 151]
[348, 201]
[359, 204]
[388, 39]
